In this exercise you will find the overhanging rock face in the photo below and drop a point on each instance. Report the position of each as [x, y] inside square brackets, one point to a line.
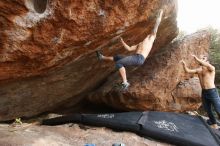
[35, 40]
[47, 48]
[161, 83]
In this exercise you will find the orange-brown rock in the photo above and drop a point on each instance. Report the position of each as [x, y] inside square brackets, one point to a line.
[47, 48]
[34, 39]
[161, 83]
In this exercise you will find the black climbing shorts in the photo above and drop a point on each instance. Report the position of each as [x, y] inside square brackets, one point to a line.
[132, 60]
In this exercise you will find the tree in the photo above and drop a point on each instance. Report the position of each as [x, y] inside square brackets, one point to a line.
[215, 53]
[215, 47]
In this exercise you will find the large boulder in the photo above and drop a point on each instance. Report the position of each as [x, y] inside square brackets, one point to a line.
[161, 83]
[47, 47]
[40, 34]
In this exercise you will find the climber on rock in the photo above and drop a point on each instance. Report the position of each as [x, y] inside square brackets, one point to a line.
[210, 96]
[142, 51]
